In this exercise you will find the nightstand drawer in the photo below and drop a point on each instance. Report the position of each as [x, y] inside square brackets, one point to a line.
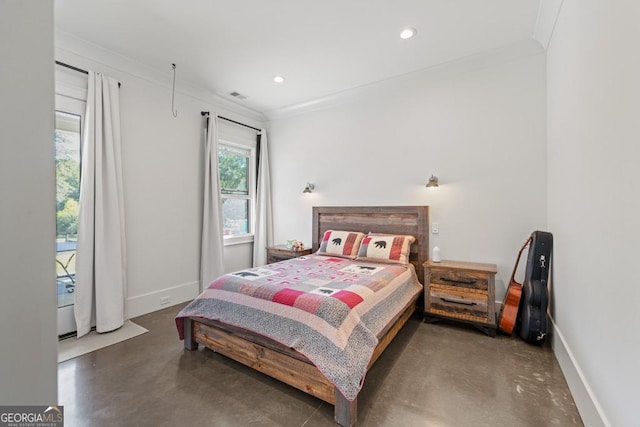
[459, 278]
[459, 304]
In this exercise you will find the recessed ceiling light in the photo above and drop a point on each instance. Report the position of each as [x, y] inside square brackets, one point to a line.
[278, 79]
[407, 33]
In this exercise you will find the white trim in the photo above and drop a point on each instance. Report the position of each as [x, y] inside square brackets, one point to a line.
[238, 240]
[76, 51]
[70, 91]
[504, 54]
[150, 302]
[546, 21]
[588, 406]
[66, 320]
[251, 197]
[69, 105]
[71, 83]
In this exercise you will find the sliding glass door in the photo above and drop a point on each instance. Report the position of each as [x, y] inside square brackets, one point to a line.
[67, 140]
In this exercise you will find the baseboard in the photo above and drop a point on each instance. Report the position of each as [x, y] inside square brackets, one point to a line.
[154, 301]
[590, 410]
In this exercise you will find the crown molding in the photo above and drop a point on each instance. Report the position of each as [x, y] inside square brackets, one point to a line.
[504, 54]
[84, 54]
[546, 21]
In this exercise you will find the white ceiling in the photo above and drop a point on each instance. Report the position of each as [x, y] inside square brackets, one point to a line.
[321, 47]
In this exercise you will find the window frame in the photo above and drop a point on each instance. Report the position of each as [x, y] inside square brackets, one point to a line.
[230, 240]
[69, 101]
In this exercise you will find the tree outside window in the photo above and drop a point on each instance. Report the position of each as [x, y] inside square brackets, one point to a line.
[67, 151]
[234, 169]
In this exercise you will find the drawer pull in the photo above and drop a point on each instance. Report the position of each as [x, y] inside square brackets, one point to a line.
[456, 301]
[466, 282]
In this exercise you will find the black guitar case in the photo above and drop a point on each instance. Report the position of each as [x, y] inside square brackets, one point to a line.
[535, 293]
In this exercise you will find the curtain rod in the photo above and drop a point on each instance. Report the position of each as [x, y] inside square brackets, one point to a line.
[206, 113]
[71, 67]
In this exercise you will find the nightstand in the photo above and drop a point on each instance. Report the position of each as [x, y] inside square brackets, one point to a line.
[461, 291]
[281, 252]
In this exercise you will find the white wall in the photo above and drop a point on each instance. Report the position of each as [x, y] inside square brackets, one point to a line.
[28, 353]
[481, 131]
[593, 153]
[162, 174]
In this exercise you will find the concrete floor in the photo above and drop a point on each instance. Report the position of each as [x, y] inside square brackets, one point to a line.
[440, 374]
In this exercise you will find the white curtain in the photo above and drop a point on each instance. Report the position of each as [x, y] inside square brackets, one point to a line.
[100, 259]
[211, 256]
[263, 235]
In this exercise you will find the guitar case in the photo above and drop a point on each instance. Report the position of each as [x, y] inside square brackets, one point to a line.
[535, 293]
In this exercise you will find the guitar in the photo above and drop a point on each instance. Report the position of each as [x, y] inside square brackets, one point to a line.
[511, 303]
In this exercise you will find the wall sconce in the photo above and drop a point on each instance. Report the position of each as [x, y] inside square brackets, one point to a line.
[309, 188]
[433, 182]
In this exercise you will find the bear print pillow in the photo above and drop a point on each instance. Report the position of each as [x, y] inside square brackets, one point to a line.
[340, 243]
[386, 248]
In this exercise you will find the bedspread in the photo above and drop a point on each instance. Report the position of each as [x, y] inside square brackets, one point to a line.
[329, 309]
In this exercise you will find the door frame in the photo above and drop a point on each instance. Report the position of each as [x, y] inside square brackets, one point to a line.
[71, 105]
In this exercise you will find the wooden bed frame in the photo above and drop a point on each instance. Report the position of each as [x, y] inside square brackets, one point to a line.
[286, 364]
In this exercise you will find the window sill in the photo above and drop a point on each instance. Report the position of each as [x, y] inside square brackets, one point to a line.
[238, 240]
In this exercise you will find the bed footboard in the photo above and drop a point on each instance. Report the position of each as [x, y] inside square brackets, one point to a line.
[282, 363]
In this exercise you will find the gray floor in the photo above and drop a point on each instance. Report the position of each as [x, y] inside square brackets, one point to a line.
[431, 375]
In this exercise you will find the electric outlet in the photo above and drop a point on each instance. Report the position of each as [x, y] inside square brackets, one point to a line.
[435, 228]
[164, 300]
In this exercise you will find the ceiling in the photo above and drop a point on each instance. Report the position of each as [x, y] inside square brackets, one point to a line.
[321, 47]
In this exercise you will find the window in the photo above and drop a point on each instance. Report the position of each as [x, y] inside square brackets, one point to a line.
[237, 191]
[68, 119]
[67, 149]
[71, 103]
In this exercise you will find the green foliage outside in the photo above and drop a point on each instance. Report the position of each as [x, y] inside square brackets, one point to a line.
[67, 185]
[233, 166]
[233, 172]
[67, 218]
[67, 182]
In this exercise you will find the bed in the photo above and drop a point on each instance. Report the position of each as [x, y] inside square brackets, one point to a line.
[261, 342]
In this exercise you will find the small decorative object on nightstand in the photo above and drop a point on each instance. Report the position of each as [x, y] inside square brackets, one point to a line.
[436, 254]
[281, 252]
[462, 291]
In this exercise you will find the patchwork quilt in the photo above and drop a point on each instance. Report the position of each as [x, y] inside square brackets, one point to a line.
[329, 309]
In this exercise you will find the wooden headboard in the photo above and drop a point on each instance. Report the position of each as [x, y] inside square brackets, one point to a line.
[413, 220]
